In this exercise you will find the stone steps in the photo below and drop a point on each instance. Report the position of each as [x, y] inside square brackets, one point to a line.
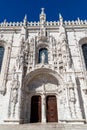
[48, 126]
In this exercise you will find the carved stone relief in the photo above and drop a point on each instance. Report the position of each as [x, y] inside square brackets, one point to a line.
[43, 82]
[71, 98]
[72, 102]
[15, 84]
[22, 58]
[62, 104]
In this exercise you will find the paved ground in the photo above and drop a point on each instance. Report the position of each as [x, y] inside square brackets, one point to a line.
[43, 127]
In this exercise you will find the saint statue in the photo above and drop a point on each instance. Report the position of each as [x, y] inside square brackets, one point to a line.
[43, 58]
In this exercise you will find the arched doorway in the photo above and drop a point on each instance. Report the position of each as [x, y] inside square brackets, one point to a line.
[51, 109]
[35, 109]
[40, 91]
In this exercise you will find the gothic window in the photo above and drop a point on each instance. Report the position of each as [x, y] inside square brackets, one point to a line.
[1, 56]
[43, 51]
[84, 49]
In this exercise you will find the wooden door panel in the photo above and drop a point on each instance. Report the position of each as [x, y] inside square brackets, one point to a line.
[51, 105]
[35, 109]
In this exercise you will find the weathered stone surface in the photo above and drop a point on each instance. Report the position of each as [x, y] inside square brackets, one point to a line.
[43, 127]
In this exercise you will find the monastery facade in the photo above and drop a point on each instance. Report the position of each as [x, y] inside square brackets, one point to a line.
[43, 74]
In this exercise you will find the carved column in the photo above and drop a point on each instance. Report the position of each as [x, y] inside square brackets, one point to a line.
[43, 108]
[57, 106]
[29, 111]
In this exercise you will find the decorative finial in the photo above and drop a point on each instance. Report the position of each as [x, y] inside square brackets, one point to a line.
[60, 19]
[42, 16]
[42, 10]
[60, 16]
[25, 20]
[78, 19]
[25, 17]
[4, 22]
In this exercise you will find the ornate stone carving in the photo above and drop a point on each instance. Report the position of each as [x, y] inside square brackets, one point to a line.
[22, 58]
[43, 82]
[72, 98]
[72, 102]
[63, 104]
[15, 84]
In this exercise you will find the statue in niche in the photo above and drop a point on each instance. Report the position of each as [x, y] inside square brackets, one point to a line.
[43, 58]
[63, 103]
[72, 103]
[20, 60]
[26, 48]
[14, 94]
[71, 99]
[42, 32]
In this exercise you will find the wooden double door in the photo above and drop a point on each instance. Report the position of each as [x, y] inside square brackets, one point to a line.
[51, 109]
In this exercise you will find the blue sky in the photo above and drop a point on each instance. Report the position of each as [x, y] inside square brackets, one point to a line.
[14, 10]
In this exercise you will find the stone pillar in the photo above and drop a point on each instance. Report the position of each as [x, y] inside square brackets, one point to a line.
[29, 110]
[57, 106]
[43, 109]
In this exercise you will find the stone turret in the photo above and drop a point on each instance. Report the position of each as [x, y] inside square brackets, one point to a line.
[42, 17]
[42, 33]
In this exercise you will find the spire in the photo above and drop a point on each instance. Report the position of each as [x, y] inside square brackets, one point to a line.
[42, 23]
[42, 16]
[60, 19]
[42, 10]
[4, 22]
[25, 20]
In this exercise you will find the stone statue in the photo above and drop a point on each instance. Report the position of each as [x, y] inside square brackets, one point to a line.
[14, 90]
[43, 58]
[13, 94]
[72, 101]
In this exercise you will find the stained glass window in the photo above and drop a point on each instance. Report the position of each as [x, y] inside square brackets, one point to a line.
[1, 56]
[84, 48]
[41, 52]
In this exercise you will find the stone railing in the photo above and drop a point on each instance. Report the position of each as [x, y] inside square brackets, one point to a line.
[77, 22]
[32, 24]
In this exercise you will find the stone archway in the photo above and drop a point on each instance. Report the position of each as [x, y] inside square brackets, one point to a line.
[43, 82]
[40, 86]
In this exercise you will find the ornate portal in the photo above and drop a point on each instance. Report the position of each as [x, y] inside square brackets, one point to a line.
[43, 71]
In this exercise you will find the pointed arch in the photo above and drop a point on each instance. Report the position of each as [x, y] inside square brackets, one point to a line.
[46, 71]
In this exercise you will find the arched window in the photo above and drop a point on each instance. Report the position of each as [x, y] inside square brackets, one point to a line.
[43, 52]
[1, 56]
[84, 49]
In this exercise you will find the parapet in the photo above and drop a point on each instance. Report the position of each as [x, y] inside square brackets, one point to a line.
[51, 23]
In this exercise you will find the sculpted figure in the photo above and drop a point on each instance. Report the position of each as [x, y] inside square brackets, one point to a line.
[72, 103]
[14, 95]
[43, 58]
